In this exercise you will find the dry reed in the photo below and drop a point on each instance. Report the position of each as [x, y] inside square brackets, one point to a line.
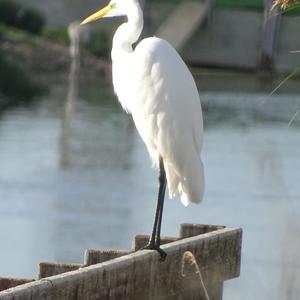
[284, 4]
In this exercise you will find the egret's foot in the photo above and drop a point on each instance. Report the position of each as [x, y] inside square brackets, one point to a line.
[161, 252]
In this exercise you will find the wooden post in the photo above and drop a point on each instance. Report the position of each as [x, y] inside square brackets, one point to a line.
[269, 32]
[140, 241]
[7, 282]
[97, 256]
[48, 269]
[189, 230]
[193, 265]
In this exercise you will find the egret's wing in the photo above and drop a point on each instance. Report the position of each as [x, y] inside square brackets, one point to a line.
[167, 112]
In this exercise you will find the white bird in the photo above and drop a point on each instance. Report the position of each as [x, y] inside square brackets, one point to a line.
[155, 86]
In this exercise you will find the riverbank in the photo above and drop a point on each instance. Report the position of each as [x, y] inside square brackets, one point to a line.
[44, 58]
[48, 61]
[231, 38]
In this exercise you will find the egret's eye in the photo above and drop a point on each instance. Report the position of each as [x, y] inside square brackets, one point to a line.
[113, 5]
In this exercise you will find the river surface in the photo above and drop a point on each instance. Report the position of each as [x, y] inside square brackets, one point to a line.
[76, 175]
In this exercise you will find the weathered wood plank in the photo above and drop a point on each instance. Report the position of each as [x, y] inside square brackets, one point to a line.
[182, 23]
[7, 282]
[141, 275]
[140, 241]
[48, 269]
[97, 256]
[189, 230]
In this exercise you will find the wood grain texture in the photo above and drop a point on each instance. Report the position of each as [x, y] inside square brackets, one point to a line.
[141, 241]
[97, 256]
[48, 269]
[189, 230]
[7, 282]
[141, 275]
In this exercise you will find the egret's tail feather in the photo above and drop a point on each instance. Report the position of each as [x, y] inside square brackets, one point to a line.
[190, 187]
[172, 180]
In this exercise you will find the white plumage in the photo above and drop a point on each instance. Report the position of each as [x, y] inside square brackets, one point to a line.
[153, 84]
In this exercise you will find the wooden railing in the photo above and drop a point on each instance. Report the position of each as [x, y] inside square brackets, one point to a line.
[197, 264]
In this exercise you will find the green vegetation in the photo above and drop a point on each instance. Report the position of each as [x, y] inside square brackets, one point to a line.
[57, 35]
[99, 43]
[15, 83]
[19, 16]
[15, 34]
[252, 4]
[18, 24]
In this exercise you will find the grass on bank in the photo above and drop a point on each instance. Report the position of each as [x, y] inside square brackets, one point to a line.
[21, 16]
[16, 83]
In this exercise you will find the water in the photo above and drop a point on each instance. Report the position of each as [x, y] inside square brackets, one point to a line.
[80, 177]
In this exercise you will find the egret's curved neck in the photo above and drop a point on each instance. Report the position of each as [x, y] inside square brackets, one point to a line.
[128, 33]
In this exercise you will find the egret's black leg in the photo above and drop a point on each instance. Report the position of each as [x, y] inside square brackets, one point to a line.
[154, 241]
[158, 229]
[155, 236]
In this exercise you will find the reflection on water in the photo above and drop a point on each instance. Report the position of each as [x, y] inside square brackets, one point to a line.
[89, 184]
[74, 35]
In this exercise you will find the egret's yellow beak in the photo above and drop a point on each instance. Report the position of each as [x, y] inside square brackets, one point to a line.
[98, 15]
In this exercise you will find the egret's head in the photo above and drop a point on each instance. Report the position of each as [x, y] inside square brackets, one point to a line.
[115, 8]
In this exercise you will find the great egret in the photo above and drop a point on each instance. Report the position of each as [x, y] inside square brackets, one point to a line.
[153, 84]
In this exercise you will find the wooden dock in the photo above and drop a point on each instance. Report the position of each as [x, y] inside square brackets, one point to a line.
[197, 264]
